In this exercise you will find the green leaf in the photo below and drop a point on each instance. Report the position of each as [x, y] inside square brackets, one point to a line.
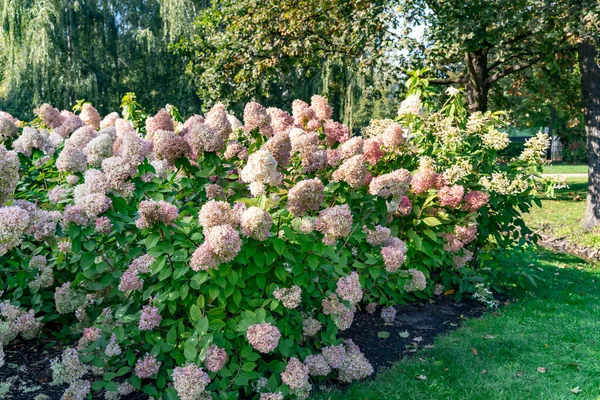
[189, 351]
[279, 246]
[167, 247]
[249, 366]
[313, 261]
[172, 335]
[383, 335]
[431, 221]
[152, 240]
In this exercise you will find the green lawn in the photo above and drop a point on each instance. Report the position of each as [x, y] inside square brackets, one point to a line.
[562, 216]
[545, 344]
[566, 169]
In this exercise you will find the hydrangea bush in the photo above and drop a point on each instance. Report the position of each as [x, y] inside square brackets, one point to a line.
[215, 258]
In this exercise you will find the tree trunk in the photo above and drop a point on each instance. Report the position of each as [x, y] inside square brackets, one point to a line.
[590, 89]
[477, 86]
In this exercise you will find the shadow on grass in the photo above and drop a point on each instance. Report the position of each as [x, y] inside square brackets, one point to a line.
[543, 344]
[576, 191]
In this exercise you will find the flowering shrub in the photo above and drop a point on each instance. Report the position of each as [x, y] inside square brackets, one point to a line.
[211, 257]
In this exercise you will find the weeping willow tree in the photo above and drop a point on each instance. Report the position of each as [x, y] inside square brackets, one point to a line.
[58, 51]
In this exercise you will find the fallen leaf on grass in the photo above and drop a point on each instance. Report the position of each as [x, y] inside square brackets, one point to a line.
[484, 371]
[541, 370]
[489, 337]
[383, 335]
[421, 377]
[474, 350]
[576, 390]
[404, 334]
[519, 374]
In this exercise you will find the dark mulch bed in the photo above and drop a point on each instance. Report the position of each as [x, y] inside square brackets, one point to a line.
[415, 326]
[27, 364]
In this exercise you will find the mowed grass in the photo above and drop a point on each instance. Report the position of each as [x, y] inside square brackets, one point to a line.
[545, 344]
[565, 169]
[562, 216]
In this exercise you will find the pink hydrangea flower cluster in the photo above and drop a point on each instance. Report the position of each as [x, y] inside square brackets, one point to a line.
[147, 366]
[235, 149]
[352, 171]
[342, 315]
[280, 146]
[379, 236]
[256, 116]
[149, 318]
[104, 225]
[311, 326]
[213, 191]
[100, 148]
[462, 236]
[305, 196]
[461, 261]
[349, 288]
[57, 194]
[475, 199]
[334, 223]
[68, 369]
[215, 358]
[90, 335]
[130, 280]
[373, 151]
[153, 212]
[394, 184]
[393, 251]
[45, 276]
[334, 355]
[90, 116]
[161, 121]
[271, 396]
[335, 132]
[263, 337]
[281, 121]
[67, 299]
[215, 213]
[451, 196]
[289, 297]
[8, 129]
[169, 146]
[202, 137]
[417, 282]
[302, 112]
[50, 115]
[17, 322]
[317, 365]
[425, 179]
[113, 348]
[405, 206]
[190, 381]
[261, 170]
[296, 377]
[256, 223]
[9, 173]
[355, 365]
